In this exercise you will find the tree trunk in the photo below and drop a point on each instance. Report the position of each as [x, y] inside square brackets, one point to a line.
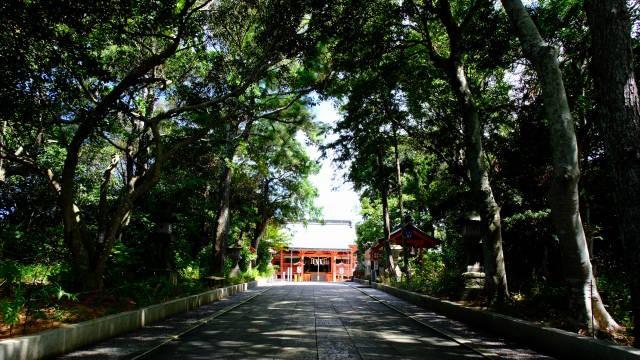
[3, 134]
[405, 249]
[92, 280]
[496, 274]
[258, 232]
[223, 216]
[74, 241]
[619, 113]
[564, 198]
[264, 216]
[93, 259]
[384, 194]
[222, 222]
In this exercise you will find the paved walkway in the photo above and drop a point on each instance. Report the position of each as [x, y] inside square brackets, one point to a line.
[317, 321]
[309, 321]
[486, 343]
[128, 345]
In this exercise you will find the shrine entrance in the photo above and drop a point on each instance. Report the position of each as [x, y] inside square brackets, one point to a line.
[316, 264]
[323, 251]
[318, 268]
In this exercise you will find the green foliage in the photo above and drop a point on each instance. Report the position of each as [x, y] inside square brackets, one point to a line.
[428, 273]
[229, 264]
[274, 239]
[10, 309]
[231, 87]
[267, 272]
[617, 295]
[369, 231]
[10, 272]
[190, 272]
[60, 293]
[263, 258]
[25, 289]
[439, 270]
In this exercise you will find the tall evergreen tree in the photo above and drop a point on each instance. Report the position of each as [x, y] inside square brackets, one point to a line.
[618, 109]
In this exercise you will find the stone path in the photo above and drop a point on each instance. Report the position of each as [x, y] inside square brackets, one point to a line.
[323, 321]
[481, 340]
[128, 345]
[307, 321]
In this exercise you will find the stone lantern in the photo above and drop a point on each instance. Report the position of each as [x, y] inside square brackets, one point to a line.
[234, 254]
[474, 276]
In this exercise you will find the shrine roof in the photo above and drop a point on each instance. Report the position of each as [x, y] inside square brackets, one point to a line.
[418, 238]
[325, 235]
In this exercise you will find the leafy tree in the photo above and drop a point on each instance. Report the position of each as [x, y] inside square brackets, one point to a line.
[618, 106]
[451, 61]
[564, 192]
[137, 82]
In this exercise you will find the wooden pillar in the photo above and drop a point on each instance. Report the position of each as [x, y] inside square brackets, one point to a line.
[281, 265]
[333, 266]
[302, 261]
[352, 262]
[352, 259]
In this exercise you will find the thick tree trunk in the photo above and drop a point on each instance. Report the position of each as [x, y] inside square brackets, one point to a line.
[222, 222]
[264, 216]
[90, 262]
[88, 265]
[259, 232]
[76, 242]
[585, 299]
[496, 274]
[90, 250]
[619, 114]
[384, 194]
[223, 216]
[86, 250]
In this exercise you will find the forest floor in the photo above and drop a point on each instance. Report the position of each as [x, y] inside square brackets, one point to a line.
[546, 306]
[50, 316]
[51, 313]
[545, 314]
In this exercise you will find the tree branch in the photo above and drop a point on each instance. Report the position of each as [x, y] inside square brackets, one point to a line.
[453, 31]
[104, 187]
[439, 60]
[17, 157]
[473, 9]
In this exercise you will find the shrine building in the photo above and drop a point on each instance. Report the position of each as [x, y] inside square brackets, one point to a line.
[318, 251]
[408, 235]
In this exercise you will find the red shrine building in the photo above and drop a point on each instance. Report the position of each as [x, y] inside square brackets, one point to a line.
[318, 251]
[409, 235]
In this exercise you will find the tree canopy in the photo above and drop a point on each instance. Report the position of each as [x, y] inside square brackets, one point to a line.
[149, 139]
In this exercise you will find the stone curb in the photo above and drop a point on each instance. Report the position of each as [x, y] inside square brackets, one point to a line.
[556, 342]
[71, 337]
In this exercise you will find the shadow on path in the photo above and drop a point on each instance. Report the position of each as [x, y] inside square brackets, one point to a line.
[303, 321]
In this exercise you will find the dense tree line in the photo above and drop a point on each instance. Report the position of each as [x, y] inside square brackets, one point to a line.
[125, 123]
[497, 107]
[120, 117]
